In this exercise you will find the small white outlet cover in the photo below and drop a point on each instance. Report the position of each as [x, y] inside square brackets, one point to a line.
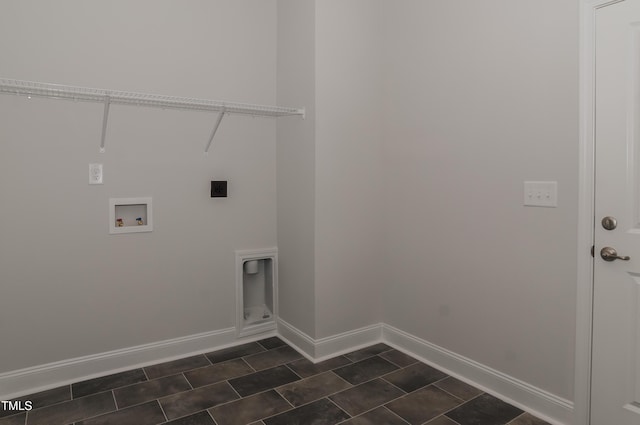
[95, 173]
[541, 194]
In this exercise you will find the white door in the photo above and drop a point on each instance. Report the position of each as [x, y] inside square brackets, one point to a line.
[616, 311]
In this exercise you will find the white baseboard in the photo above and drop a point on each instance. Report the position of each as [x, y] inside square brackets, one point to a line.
[547, 406]
[347, 341]
[321, 349]
[299, 340]
[39, 378]
[543, 404]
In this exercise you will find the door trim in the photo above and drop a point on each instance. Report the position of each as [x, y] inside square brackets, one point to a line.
[584, 289]
[586, 212]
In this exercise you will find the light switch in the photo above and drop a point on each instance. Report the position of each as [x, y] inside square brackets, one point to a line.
[541, 194]
[95, 173]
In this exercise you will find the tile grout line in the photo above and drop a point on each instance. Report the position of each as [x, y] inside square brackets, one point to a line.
[115, 402]
[107, 389]
[371, 410]
[177, 393]
[284, 362]
[49, 405]
[351, 386]
[252, 395]
[12, 415]
[395, 414]
[312, 401]
[279, 413]
[112, 390]
[376, 377]
[178, 372]
[166, 418]
[184, 416]
[165, 396]
[447, 411]
[235, 391]
[521, 414]
[396, 364]
[214, 382]
[187, 379]
[69, 401]
[450, 393]
[283, 397]
[339, 377]
[300, 378]
[340, 408]
[442, 416]
[325, 396]
[287, 364]
[405, 393]
[369, 356]
[460, 405]
[294, 407]
[259, 392]
[188, 370]
[211, 416]
[207, 359]
[247, 363]
[228, 383]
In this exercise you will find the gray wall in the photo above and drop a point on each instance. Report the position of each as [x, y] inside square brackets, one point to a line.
[399, 199]
[296, 165]
[429, 116]
[481, 96]
[349, 136]
[68, 287]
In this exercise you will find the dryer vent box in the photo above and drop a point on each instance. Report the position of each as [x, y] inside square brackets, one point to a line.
[219, 189]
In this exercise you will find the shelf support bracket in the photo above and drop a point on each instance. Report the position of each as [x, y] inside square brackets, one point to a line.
[105, 118]
[215, 129]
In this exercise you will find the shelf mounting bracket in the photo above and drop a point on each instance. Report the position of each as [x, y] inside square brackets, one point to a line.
[105, 118]
[215, 129]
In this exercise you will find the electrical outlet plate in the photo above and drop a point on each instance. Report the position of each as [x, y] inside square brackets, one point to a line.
[541, 194]
[95, 173]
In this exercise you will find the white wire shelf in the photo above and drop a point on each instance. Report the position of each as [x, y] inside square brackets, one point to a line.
[110, 97]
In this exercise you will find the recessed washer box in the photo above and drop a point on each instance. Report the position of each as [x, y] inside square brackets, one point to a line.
[130, 215]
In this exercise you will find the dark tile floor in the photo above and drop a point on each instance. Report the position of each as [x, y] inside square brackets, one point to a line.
[269, 383]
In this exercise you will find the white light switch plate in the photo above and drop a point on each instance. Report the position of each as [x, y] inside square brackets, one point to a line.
[541, 194]
[95, 173]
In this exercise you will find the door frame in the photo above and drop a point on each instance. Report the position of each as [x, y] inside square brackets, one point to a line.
[586, 211]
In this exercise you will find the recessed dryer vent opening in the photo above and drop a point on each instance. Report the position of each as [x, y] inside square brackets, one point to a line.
[256, 289]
